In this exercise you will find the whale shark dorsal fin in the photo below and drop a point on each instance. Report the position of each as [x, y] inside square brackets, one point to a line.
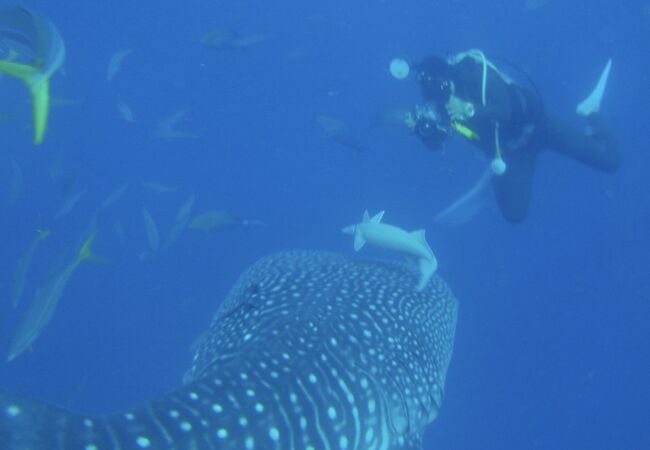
[377, 217]
[359, 241]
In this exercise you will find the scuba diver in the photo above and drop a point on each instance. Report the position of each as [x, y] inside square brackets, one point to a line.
[468, 95]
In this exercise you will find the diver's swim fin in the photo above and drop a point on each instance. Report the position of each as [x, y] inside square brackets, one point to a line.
[39, 88]
[591, 104]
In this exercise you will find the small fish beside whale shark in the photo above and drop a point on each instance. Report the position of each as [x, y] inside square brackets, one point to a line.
[310, 350]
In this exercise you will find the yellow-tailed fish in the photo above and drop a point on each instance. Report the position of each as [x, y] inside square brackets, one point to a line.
[46, 301]
[20, 276]
[186, 208]
[182, 219]
[37, 51]
[158, 188]
[125, 112]
[69, 203]
[167, 130]
[215, 220]
[337, 130]
[17, 188]
[114, 196]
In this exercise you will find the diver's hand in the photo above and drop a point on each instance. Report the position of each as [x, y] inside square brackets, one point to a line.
[458, 109]
[410, 120]
[419, 113]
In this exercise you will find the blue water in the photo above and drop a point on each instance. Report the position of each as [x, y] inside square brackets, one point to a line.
[552, 347]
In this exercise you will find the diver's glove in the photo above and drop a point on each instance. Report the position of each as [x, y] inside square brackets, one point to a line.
[458, 109]
[419, 114]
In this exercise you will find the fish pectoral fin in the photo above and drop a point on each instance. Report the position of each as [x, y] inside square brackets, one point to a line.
[359, 241]
[421, 238]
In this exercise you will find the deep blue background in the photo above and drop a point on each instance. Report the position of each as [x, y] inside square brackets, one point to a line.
[552, 347]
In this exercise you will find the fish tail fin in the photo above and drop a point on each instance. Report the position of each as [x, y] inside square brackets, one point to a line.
[39, 88]
[42, 234]
[359, 240]
[428, 266]
[86, 254]
[40, 91]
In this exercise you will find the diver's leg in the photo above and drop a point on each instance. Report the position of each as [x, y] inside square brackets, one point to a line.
[513, 188]
[595, 147]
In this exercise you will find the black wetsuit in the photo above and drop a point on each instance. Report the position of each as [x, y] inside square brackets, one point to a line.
[524, 130]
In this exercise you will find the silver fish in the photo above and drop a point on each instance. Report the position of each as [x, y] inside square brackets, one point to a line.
[114, 196]
[125, 112]
[152, 231]
[158, 188]
[115, 63]
[17, 189]
[167, 130]
[183, 217]
[69, 203]
[45, 303]
[22, 266]
[310, 350]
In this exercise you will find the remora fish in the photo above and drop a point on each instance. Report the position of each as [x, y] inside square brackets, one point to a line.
[337, 130]
[390, 237]
[310, 350]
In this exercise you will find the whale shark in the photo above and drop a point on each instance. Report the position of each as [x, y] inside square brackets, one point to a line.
[309, 350]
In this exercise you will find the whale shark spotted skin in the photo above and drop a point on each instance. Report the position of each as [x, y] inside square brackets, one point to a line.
[310, 350]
